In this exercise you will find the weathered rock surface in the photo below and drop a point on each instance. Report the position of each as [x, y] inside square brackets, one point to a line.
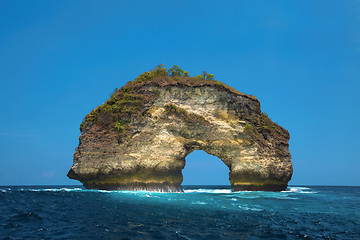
[139, 138]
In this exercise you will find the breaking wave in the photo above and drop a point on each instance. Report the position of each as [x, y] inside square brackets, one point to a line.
[216, 191]
[299, 190]
[249, 194]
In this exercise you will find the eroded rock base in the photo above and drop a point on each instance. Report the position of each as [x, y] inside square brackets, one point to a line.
[267, 187]
[152, 187]
[158, 187]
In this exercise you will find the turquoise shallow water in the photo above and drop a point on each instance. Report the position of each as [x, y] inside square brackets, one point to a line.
[201, 212]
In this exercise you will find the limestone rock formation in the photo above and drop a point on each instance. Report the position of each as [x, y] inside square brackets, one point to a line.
[139, 138]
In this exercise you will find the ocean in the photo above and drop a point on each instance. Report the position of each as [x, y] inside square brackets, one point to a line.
[201, 212]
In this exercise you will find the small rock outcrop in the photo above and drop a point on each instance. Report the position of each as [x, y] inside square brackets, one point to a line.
[139, 138]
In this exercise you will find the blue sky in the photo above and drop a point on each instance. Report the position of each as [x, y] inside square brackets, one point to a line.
[61, 59]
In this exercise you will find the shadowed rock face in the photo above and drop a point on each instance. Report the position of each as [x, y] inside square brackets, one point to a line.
[139, 138]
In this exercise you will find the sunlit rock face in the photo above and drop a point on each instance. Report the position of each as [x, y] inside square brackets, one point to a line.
[139, 138]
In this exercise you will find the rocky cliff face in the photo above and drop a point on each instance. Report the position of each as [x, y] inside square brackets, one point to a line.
[139, 138]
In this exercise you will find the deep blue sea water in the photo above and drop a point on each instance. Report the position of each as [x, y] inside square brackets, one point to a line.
[201, 212]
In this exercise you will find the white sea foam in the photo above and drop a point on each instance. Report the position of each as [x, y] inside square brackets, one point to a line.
[228, 192]
[299, 190]
[208, 191]
[53, 190]
[70, 189]
[104, 191]
[250, 208]
[259, 195]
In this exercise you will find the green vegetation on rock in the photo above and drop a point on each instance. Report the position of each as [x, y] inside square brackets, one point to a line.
[252, 132]
[250, 129]
[266, 122]
[177, 71]
[131, 103]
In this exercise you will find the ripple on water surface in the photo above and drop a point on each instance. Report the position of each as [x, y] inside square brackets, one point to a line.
[198, 213]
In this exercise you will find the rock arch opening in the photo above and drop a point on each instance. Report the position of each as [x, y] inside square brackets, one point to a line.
[202, 168]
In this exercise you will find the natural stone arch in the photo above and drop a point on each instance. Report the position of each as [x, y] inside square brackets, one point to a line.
[178, 117]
